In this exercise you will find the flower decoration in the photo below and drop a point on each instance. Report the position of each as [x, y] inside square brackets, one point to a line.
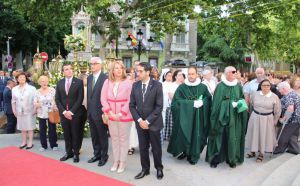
[75, 42]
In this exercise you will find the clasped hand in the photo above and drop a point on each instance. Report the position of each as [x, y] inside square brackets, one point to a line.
[198, 103]
[143, 124]
[68, 115]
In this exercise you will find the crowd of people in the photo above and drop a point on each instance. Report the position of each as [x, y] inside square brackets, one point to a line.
[228, 113]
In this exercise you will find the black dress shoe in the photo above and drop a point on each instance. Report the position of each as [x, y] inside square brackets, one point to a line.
[93, 159]
[232, 165]
[213, 165]
[76, 158]
[159, 174]
[65, 157]
[142, 174]
[102, 162]
[29, 147]
[22, 147]
[181, 156]
[192, 162]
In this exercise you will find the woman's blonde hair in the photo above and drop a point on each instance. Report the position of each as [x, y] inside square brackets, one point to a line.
[111, 76]
[42, 77]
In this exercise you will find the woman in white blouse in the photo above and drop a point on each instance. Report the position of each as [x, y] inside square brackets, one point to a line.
[44, 103]
[23, 109]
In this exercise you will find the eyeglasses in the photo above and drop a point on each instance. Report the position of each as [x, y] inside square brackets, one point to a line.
[94, 64]
[233, 72]
[265, 85]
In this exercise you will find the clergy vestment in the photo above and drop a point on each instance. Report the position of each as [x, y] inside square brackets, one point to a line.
[189, 131]
[226, 137]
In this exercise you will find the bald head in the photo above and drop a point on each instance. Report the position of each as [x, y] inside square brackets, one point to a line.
[230, 73]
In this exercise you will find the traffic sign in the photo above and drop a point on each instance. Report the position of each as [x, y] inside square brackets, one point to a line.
[9, 58]
[44, 56]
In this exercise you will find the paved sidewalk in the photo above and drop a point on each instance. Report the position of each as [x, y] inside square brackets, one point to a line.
[176, 172]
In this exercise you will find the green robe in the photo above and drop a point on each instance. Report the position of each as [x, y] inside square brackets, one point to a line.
[190, 124]
[225, 120]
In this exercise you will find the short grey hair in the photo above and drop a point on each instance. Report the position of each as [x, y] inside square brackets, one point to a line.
[96, 60]
[206, 71]
[228, 69]
[284, 84]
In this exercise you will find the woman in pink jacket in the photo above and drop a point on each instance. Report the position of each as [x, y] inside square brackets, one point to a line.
[115, 97]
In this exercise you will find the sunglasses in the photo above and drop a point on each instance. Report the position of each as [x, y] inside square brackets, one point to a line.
[233, 72]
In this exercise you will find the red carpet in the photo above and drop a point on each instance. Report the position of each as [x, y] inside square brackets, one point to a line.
[21, 167]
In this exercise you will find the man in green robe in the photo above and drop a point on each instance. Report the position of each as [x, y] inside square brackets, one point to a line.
[226, 137]
[191, 110]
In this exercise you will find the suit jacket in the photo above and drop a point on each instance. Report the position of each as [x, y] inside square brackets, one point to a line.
[7, 101]
[3, 83]
[73, 99]
[151, 108]
[94, 107]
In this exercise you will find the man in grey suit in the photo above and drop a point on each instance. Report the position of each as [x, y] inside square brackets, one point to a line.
[99, 131]
[146, 104]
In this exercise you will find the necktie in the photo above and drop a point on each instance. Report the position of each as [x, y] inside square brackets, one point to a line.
[68, 85]
[94, 82]
[144, 91]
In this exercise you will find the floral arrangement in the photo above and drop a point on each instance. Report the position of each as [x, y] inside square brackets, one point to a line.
[75, 42]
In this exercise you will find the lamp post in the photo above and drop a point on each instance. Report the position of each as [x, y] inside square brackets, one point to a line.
[8, 49]
[139, 46]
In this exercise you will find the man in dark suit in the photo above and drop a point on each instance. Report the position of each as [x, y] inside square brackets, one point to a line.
[94, 108]
[146, 104]
[68, 97]
[3, 81]
[11, 119]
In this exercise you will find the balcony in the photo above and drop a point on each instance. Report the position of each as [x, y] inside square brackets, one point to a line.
[180, 47]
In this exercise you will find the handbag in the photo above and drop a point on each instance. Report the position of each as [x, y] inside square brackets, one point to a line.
[54, 117]
[105, 118]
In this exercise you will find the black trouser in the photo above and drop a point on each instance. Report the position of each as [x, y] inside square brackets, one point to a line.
[289, 139]
[72, 134]
[147, 137]
[11, 124]
[99, 135]
[83, 120]
[51, 133]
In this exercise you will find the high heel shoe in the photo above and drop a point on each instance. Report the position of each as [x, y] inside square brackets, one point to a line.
[23, 146]
[29, 147]
[114, 167]
[121, 167]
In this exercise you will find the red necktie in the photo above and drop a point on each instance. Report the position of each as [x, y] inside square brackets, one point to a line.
[68, 85]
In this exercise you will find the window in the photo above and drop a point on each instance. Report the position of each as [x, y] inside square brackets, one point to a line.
[180, 38]
[127, 62]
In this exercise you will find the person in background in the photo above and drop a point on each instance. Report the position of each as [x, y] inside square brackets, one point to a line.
[155, 73]
[23, 108]
[260, 137]
[166, 85]
[99, 130]
[178, 78]
[253, 85]
[133, 137]
[44, 102]
[115, 97]
[7, 74]
[11, 119]
[83, 77]
[3, 81]
[290, 102]
[208, 82]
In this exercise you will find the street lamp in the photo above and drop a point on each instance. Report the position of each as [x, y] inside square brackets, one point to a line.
[139, 46]
[8, 49]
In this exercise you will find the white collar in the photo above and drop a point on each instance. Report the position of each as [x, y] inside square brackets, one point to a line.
[96, 75]
[197, 82]
[147, 82]
[228, 83]
[267, 95]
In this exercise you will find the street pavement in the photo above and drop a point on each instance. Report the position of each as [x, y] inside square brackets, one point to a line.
[177, 172]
